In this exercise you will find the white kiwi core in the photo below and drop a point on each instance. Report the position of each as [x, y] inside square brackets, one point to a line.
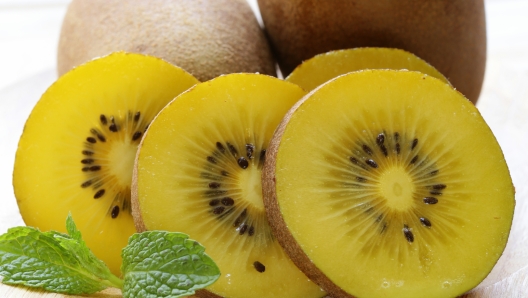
[397, 187]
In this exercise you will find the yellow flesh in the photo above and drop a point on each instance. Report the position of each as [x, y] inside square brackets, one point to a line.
[324, 67]
[48, 170]
[327, 209]
[172, 188]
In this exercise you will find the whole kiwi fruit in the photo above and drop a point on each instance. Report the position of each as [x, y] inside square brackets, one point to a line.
[448, 34]
[205, 37]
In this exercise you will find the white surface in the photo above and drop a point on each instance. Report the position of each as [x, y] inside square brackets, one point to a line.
[29, 34]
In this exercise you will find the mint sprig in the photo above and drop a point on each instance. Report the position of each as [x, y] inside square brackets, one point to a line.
[155, 264]
[163, 264]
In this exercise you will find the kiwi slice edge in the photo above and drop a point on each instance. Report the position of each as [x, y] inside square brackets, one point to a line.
[323, 67]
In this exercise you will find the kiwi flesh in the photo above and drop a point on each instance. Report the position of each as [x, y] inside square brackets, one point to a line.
[198, 171]
[207, 38]
[77, 150]
[385, 183]
[324, 67]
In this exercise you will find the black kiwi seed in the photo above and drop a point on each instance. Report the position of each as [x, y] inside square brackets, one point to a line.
[430, 200]
[103, 119]
[227, 201]
[249, 150]
[113, 127]
[218, 210]
[242, 162]
[259, 266]
[251, 231]
[371, 163]
[214, 185]
[87, 152]
[380, 139]
[86, 183]
[398, 150]
[367, 149]
[408, 234]
[396, 137]
[243, 229]
[232, 149]
[361, 179]
[87, 161]
[95, 168]
[414, 159]
[136, 116]
[224, 173]
[240, 218]
[425, 222]
[115, 212]
[99, 194]
[211, 159]
[214, 202]
[136, 135]
[220, 147]
[439, 186]
[354, 160]
[91, 140]
[414, 143]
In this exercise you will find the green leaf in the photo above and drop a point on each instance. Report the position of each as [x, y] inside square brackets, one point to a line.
[86, 258]
[54, 261]
[163, 264]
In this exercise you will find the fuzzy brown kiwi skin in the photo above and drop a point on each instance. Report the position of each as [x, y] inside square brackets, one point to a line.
[448, 34]
[276, 221]
[207, 38]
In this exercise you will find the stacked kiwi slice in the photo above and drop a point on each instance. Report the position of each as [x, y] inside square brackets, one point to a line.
[198, 171]
[78, 147]
[384, 183]
[324, 67]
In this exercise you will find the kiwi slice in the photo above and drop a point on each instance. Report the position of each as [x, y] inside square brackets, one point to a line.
[324, 67]
[198, 171]
[386, 183]
[77, 150]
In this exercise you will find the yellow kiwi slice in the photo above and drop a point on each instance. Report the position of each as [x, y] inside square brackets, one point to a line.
[198, 171]
[77, 150]
[324, 67]
[385, 183]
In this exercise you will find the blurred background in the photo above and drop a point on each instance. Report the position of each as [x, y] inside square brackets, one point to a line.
[29, 34]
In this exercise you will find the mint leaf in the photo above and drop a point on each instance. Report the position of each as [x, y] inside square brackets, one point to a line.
[163, 264]
[51, 260]
[86, 258]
